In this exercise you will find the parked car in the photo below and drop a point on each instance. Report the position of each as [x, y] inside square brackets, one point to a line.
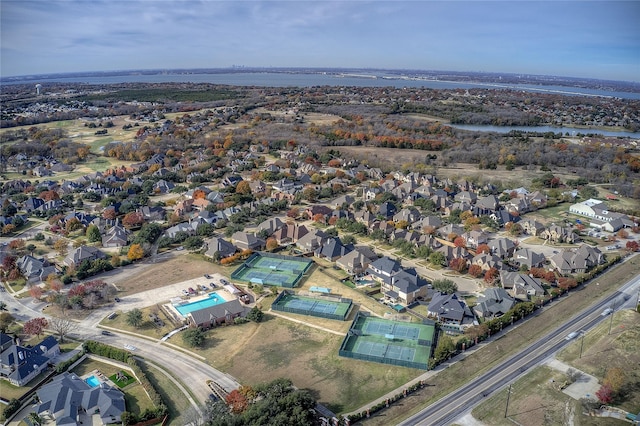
[223, 281]
[212, 285]
[207, 276]
[606, 312]
[117, 299]
[106, 333]
[191, 290]
[185, 292]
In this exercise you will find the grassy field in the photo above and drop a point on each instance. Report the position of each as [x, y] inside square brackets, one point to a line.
[458, 374]
[173, 397]
[536, 398]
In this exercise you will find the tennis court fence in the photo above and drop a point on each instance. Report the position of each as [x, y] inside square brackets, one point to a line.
[349, 343]
[280, 304]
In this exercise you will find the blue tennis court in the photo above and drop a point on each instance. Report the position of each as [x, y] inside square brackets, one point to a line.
[385, 350]
[387, 328]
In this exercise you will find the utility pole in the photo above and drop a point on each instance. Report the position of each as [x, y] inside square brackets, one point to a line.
[581, 343]
[613, 311]
[508, 396]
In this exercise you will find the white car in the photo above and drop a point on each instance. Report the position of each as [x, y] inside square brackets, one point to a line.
[606, 312]
[571, 335]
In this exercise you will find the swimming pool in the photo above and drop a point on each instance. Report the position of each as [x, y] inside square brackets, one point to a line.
[92, 381]
[212, 300]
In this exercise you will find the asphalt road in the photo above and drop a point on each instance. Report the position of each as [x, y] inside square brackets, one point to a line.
[451, 407]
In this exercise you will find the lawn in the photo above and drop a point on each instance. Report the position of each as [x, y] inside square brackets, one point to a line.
[148, 327]
[256, 353]
[176, 401]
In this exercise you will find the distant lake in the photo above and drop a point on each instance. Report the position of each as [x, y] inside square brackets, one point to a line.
[292, 79]
[544, 129]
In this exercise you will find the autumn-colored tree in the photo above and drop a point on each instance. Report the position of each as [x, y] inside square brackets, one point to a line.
[35, 326]
[248, 392]
[622, 234]
[309, 194]
[133, 219]
[16, 245]
[318, 217]
[199, 194]
[470, 223]
[467, 214]
[429, 230]
[35, 292]
[565, 283]
[632, 246]
[483, 248]
[458, 264]
[271, 244]
[243, 187]
[61, 246]
[460, 242]
[491, 275]
[334, 163]
[49, 195]
[236, 401]
[135, 252]
[402, 224]
[452, 236]
[605, 394]
[333, 220]
[293, 212]
[109, 214]
[475, 271]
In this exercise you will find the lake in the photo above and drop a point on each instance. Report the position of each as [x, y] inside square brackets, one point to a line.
[544, 129]
[300, 79]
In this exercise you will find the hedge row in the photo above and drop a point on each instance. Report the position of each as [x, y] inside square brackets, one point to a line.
[384, 404]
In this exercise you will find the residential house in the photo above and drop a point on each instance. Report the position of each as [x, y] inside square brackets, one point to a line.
[35, 270]
[311, 240]
[577, 260]
[409, 215]
[475, 238]
[406, 287]
[387, 210]
[452, 312]
[466, 196]
[528, 258]
[559, 234]
[153, 213]
[116, 236]
[32, 203]
[487, 261]
[357, 260]
[290, 233]
[333, 249]
[531, 227]
[311, 211]
[342, 200]
[20, 364]
[82, 253]
[70, 401]
[521, 286]
[245, 241]
[163, 187]
[494, 303]
[502, 247]
[270, 225]
[488, 204]
[222, 247]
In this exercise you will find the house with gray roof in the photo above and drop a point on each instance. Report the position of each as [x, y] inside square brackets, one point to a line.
[35, 270]
[527, 257]
[310, 241]
[69, 400]
[502, 247]
[245, 241]
[20, 364]
[450, 311]
[521, 286]
[577, 260]
[215, 315]
[82, 253]
[333, 249]
[218, 245]
[116, 236]
[494, 303]
[356, 261]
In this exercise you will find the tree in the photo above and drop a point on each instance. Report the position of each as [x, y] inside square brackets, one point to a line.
[134, 317]
[236, 402]
[255, 314]
[31, 248]
[35, 292]
[444, 349]
[135, 252]
[491, 275]
[475, 271]
[460, 242]
[93, 234]
[35, 326]
[310, 194]
[437, 258]
[483, 248]
[194, 337]
[458, 264]
[605, 394]
[61, 246]
[271, 244]
[294, 212]
[62, 326]
[243, 187]
[193, 243]
[632, 246]
[445, 286]
[132, 219]
[6, 319]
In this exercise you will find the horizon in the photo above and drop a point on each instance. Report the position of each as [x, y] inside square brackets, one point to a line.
[597, 40]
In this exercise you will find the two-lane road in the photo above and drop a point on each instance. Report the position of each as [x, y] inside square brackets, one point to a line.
[448, 409]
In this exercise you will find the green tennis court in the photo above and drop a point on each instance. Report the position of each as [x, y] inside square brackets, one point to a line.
[389, 342]
[290, 302]
[272, 269]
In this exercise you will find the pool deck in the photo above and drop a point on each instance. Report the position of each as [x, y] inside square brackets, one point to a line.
[98, 375]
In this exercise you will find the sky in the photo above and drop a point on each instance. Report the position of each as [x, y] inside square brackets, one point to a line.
[594, 39]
